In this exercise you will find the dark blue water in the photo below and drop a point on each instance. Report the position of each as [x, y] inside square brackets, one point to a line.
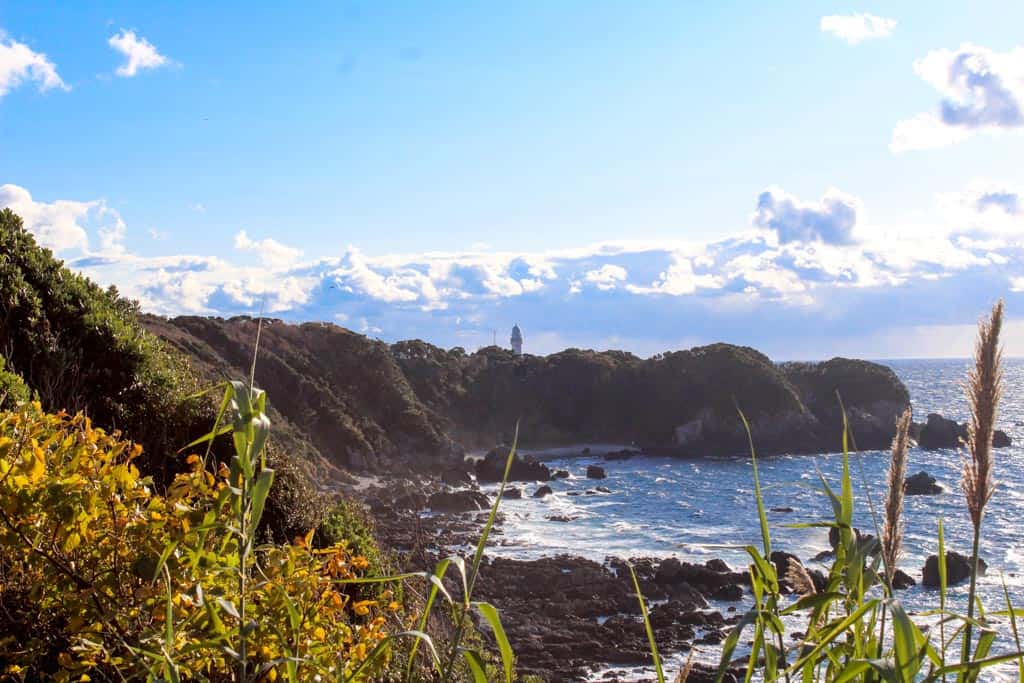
[696, 510]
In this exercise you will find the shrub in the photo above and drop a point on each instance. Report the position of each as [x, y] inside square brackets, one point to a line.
[12, 388]
[99, 575]
[80, 347]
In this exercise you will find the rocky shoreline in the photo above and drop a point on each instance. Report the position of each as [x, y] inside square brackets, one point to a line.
[567, 617]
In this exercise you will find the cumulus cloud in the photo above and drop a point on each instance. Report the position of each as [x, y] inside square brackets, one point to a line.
[856, 28]
[606, 277]
[65, 225]
[271, 252]
[802, 272]
[981, 91]
[21, 64]
[139, 53]
[831, 220]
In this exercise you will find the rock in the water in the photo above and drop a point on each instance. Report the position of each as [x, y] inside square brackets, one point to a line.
[940, 432]
[782, 509]
[901, 580]
[560, 474]
[465, 500]
[492, 467]
[624, 454]
[921, 484]
[595, 472]
[603, 489]
[456, 477]
[729, 593]
[958, 568]
[513, 492]
[544, 490]
[561, 518]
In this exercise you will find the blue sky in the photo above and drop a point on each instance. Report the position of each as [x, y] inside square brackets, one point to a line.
[810, 179]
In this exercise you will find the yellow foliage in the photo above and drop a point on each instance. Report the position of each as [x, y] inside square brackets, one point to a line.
[93, 562]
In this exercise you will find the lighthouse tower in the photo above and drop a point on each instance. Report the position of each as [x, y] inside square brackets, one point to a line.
[517, 340]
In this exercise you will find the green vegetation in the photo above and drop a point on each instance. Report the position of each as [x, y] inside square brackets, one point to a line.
[78, 347]
[12, 387]
[81, 348]
[844, 636]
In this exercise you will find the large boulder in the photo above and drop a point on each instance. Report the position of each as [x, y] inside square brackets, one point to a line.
[940, 432]
[595, 472]
[921, 484]
[491, 467]
[466, 500]
[958, 568]
[457, 477]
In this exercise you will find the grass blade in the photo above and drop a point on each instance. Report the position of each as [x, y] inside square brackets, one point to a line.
[761, 514]
[647, 626]
[490, 613]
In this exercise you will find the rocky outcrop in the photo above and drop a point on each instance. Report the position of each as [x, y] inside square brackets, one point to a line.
[595, 472]
[921, 484]
[958, 568]
[491, 467]
[338, 399]
[940, 432]
[347, 402]
[561, 614]
[465, 500]
[542, 491]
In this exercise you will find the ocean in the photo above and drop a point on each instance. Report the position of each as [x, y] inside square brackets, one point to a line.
[700, 509]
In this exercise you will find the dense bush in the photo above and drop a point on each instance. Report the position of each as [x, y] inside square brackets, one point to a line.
[81, 347]
[100, 576]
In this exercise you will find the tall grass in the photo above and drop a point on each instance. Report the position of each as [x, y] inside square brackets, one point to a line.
[847, 637]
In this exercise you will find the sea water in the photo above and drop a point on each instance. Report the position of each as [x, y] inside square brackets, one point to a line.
[697, 509]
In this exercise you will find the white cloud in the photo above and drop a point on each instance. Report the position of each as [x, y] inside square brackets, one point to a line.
[139, 53]
[678, 280]
[856, 28]
[271, 252]
[64, 225]
[606, 277]
[806, 270]
[831, 220]
[20, 64]
[981, 91]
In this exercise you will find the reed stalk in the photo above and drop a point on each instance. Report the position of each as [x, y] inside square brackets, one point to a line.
[984, 389]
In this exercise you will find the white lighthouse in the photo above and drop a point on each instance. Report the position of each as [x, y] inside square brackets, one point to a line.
[517, 340]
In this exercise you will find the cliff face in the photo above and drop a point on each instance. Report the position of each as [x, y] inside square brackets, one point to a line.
[358, 404]
[338, 397]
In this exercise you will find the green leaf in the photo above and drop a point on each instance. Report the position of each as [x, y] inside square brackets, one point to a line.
[376, 652]
[490, 613]
[906, 636]
[1013, 626]
[761, 514]
[439, 572]
[260, 490]
[476, 666]
[732, 640]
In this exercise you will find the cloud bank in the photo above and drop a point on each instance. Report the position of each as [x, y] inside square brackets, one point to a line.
[803, 278]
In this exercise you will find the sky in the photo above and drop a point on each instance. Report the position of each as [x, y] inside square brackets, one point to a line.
[811, 178]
